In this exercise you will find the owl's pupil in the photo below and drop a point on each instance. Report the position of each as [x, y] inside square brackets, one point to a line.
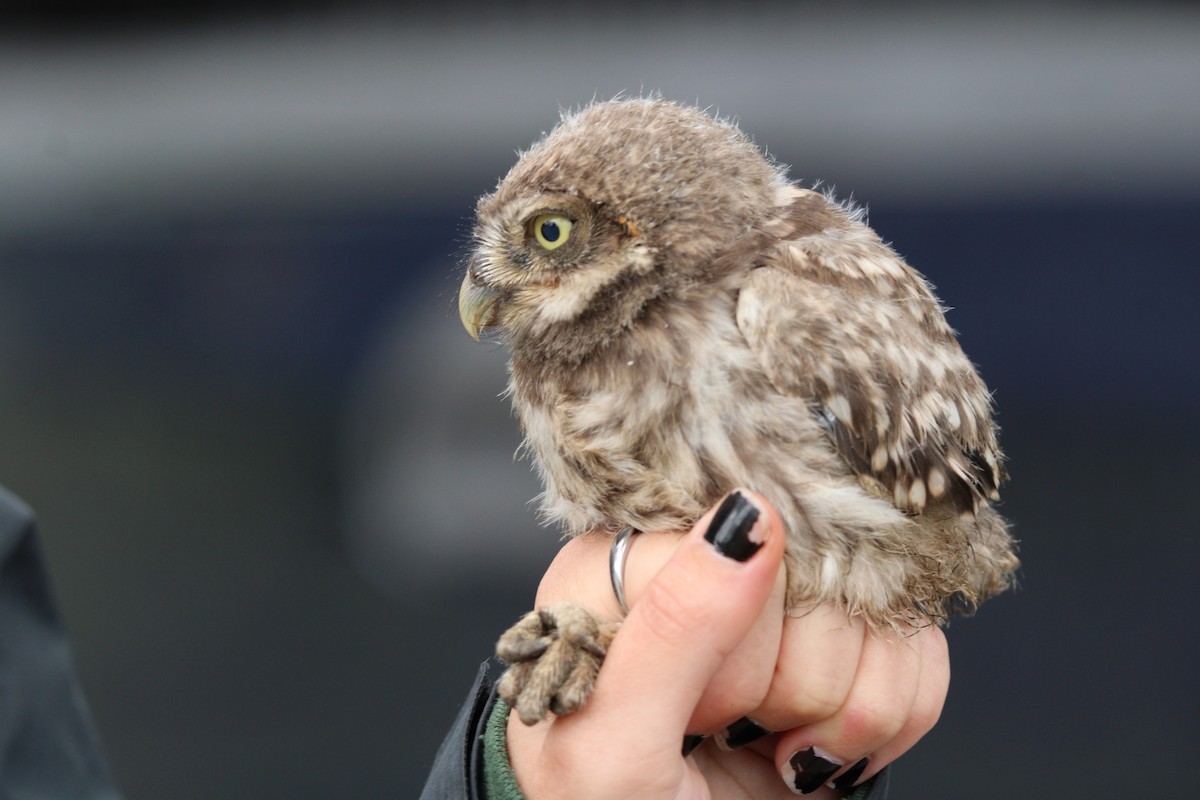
[550, 231]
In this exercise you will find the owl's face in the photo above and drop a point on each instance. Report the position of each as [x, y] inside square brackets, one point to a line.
[540, 259]
[618, 205]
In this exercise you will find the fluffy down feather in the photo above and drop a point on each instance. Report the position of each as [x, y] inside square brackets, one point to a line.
[709, 324]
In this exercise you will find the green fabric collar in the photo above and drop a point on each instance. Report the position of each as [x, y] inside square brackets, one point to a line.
[499, 782]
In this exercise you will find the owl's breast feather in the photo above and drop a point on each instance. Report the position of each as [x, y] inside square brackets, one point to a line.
[651, 431]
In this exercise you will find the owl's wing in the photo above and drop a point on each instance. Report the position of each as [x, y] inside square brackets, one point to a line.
[837, 317]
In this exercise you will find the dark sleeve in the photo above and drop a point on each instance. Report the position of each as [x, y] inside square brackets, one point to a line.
[457, 772]
[47, 743]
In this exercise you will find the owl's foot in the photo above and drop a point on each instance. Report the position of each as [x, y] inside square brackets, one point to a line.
[553, 656]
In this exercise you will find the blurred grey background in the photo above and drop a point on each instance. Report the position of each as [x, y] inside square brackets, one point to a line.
[276, 481]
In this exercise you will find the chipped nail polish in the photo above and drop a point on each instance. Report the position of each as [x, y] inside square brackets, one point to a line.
[846, 780]
[742, 733]
[729, 531]
[808, 770]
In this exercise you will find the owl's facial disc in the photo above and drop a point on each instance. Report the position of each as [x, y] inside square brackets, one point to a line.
[525, 248]
[543, 258]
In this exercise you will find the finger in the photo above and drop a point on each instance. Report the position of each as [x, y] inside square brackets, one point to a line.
[745, 676]
[695, 612]
[876, 708]
[933, 685]
[577, 576]
[817, 661]
[740, 773]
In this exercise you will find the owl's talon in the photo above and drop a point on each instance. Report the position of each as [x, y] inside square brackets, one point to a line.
[553, 655]
[518, 650]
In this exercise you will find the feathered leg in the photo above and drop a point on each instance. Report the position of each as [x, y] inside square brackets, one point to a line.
[553, 656]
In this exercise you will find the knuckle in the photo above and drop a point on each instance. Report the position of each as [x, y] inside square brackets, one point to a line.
[815, 703]
[924, 716]
[874, 721]
[725, 700]
[812, 696]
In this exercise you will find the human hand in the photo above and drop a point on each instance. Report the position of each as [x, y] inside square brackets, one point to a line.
[707, 644]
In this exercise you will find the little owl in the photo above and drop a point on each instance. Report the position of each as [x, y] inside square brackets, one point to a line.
[684, 320]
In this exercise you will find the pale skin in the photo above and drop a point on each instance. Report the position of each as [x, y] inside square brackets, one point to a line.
[706, 643]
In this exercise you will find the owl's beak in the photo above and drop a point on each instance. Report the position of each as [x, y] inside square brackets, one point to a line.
[477, 306]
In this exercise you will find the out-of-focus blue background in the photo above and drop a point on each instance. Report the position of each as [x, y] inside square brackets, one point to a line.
[274, 476]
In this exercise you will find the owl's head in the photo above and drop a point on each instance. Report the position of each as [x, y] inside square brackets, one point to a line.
[620, 204]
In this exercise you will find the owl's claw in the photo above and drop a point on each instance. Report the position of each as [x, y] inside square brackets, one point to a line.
[553, 656]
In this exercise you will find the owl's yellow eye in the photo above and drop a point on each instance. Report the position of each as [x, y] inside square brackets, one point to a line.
[551, 230]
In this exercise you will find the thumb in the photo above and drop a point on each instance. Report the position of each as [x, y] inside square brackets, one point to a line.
[693, 614]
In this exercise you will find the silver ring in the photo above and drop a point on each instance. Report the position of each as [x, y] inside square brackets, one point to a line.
[616, 564]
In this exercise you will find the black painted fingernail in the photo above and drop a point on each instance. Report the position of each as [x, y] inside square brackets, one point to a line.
[731, 526]
[809, 770]
[691, 742]
[743, 732]
[847, 778]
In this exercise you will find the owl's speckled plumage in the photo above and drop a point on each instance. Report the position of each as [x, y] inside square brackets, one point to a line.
[709, 324]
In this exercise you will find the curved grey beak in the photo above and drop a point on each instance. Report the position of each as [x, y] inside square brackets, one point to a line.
[478, 306]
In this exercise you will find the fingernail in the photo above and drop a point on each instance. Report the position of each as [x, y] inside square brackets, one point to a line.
[808, 770]
[847, 778]
[732, 527]
[691, 742]
[742, 733]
